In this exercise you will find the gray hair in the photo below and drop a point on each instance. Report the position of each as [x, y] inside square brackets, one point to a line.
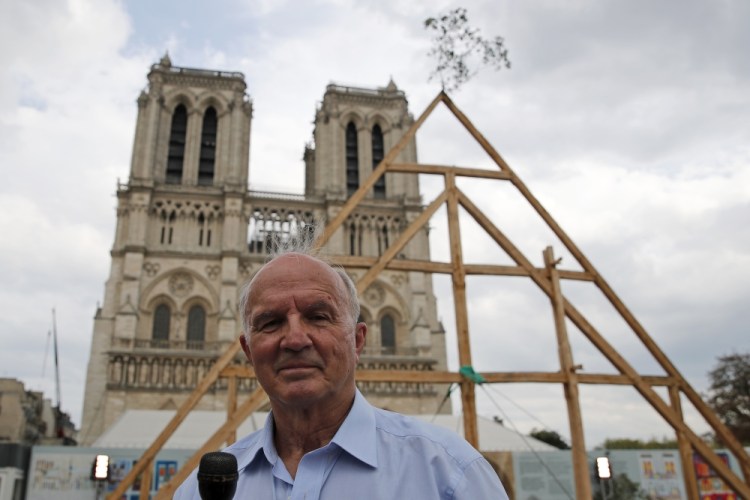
[300, 242]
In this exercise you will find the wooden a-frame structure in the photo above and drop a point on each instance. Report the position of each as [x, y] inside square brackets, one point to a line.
[546, 278]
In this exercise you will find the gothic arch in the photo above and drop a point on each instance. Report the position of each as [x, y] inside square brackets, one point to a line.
[352, 116]
[378, 118]
[157, 299]
[180, 96]
[393, 312]
[209, 99]
[392, 299]
[365, 314]
[390, 346]
[201, 288]
[147, 316]
[209, 316]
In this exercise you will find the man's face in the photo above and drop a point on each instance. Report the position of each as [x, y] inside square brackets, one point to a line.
[303, 344]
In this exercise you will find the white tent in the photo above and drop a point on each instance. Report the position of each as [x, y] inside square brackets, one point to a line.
[139, 428]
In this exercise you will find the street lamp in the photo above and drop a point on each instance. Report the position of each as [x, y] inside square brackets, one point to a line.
[604, 472]
[603, 469]
[100, 473]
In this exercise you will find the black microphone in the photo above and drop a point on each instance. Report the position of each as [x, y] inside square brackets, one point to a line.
[217, 476]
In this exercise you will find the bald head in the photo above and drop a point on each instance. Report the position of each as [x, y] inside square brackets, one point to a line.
[280, 271]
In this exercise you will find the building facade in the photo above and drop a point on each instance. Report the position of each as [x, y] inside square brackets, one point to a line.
[28, 418]
[190, 234]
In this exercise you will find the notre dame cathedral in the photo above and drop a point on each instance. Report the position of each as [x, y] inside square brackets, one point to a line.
[190, 234]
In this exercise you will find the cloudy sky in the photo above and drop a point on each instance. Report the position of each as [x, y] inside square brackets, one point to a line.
[629, 120]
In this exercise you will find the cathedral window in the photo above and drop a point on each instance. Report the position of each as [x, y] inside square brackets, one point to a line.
[204, 231]
[388, 334]
[377, 156]
[355, 239]
[167, 228]
[160, 329]
[382, 239]
[196, 327]
[352, 161]
[208, 148]
[177, 145]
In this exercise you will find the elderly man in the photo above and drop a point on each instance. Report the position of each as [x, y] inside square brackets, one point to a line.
[322, 439]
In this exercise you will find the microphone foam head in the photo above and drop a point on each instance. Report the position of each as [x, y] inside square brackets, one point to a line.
[218, 464]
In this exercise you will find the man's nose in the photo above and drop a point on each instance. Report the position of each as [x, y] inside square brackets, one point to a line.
[296, 336]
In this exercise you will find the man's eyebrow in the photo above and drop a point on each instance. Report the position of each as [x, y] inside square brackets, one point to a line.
[320, 305]
[263, 316]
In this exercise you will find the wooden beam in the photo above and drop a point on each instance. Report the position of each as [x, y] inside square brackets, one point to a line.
[400, 243]
[484, 143]
[471, 430]
[231, 405]
[619, 379]
[446, 377]
[179, 417]
[426, 266]
[365, 187]
[496, 270]
[610, 352]
[570, 385]
[722, 431]
[686, 451]
[547, 279]
[575, 275]
[146, 479]
[245, 371]
[422, 168]
[255, 401]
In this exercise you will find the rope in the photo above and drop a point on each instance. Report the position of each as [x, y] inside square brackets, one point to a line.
[442, 403]
[528, 413]
[539, 458]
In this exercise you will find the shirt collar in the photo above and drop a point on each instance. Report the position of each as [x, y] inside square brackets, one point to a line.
[356, 436]
[264, 443]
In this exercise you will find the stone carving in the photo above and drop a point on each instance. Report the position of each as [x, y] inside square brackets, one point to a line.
[213, 271]
[151, 268]
[246, 269]
[374, 295]
[181, 284]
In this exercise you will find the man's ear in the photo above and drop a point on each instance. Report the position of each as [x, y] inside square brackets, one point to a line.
[360, 334]
[246, 348]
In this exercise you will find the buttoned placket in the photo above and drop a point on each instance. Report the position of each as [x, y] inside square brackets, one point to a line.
[312, 472]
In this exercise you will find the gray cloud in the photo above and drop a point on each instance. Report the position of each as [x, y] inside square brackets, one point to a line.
[628, 120]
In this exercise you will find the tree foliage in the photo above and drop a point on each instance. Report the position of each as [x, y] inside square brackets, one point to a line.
[729, 394]
[457, 46]
[549, 437]
[621, 487]
[638, 444]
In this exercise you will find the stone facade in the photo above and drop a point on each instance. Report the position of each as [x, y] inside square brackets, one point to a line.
[189, 234]
[26, 417]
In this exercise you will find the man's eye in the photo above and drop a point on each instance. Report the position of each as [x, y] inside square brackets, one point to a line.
[268, 326]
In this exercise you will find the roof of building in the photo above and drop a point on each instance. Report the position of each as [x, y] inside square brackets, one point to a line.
[139, 428]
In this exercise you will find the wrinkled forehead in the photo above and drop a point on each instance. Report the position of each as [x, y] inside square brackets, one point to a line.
[287, 272]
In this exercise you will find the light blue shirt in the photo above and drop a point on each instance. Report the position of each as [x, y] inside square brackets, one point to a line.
[375, 454]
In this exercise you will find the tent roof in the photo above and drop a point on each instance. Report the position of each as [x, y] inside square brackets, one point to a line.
[139, 428]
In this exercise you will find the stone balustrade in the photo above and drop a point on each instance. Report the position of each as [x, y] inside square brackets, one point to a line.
[180, 370]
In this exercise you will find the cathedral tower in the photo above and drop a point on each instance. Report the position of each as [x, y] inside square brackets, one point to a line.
[189, 234]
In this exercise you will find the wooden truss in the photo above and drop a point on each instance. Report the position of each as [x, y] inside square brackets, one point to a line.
[546, 278]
